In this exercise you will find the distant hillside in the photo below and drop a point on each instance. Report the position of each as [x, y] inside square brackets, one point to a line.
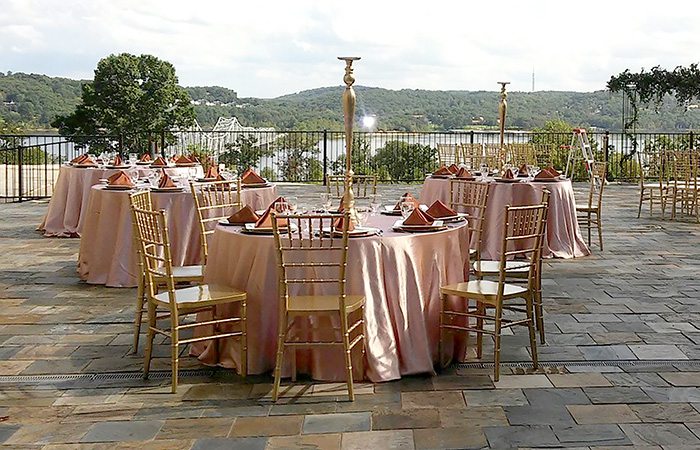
[37, 99]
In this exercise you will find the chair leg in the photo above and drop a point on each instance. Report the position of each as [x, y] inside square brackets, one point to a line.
[364, 333]
[641, 199]
[539, 312]
[531, 330]
[140, 297]
[174, 347]
[588, 227]
[348, 359]
[497, 344]
[149, 339]
[443, 299]
[244, 340]
[280, 356]
[600, 229]
[480, 311]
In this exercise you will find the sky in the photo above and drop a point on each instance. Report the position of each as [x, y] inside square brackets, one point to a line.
[268, 48]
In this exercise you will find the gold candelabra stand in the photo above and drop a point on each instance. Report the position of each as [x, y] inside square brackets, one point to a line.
[502, 109]
[348, 200]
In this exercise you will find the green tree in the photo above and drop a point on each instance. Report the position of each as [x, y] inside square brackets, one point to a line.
[136, 97]
[299, 157]
[244, 152]
[405, 162]
[361, 159]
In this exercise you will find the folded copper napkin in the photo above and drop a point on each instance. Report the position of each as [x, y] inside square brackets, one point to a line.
[453, 168]
[439, 210]
[463, 172]
[418, 217]
[250, 177]
[182, 159]
[165, 181]
[544, 174]
[212, 173]
[340, 223]
[522, 171]
[120, 179]
[194, 158]
[145, 158]
[80, 159]
[266, 221]
[553, 172]
[160, 162]
[118, 161]
[442, 171]
[243, 216]
[408, 197]
[508, 174]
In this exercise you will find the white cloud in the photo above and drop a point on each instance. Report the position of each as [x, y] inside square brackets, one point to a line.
[273, 47]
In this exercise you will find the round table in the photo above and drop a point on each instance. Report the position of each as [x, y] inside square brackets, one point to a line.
[399, 273]
[106, 252]
[563, 238]
[65, 216]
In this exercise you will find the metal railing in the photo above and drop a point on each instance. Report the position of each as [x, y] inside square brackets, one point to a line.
[31, 163]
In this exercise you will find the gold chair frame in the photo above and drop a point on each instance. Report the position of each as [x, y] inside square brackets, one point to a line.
[155, 247]
[472, 155]
[683, 184]
[471, 197]
[181, 274]
[300, 257]
[214, 201]
[362, 185]
[494, 155]
[448, 154]
[524, 224]
[589, 216]
[657, 170]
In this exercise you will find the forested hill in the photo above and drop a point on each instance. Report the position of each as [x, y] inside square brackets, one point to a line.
[37, 99]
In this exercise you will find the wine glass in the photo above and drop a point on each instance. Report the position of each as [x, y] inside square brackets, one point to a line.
[484, 170]
[375, 202]
[293, 204]
[326, 202]
[362, 215]
[133, 157]
[133, 175]
[407, 207]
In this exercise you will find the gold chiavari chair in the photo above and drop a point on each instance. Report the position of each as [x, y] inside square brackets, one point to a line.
[155, 247]
[448, 154]
[472, 155]
[181, 274]
[544, 154]
[594, 206]
[362, 185]
[523, 229]
[471, 197]
[652, 166]
[214, 201]
[494, 155]
[521, 153]
[519, 271]
[683, 185]
[310, 259]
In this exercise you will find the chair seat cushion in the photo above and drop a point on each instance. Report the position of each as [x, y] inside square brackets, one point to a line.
[311, 303]
[202, 296]
[520, 268]
[482, 289]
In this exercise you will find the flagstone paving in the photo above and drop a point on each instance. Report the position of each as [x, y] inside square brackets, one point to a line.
[622, 353]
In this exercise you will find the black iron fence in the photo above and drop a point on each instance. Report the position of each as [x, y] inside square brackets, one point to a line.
[31, 163]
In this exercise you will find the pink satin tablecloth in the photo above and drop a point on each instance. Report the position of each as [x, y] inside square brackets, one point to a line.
[106, 252]
[65, 216]
[563, 238]
[399, 273]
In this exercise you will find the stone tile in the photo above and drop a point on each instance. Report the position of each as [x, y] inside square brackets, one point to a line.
[672, 327]
[522, 381]
[617, 395]
[195, 428]
[266, 426]
[440, 399]
[123, 431]
[251, 443]
[666, 412]
[308, 441]
[461, 382]
[520, 436]
[58, 366]
[13, 367]
[218, 391]
[657, 352]
[556, 396]
[673, 394]
[590, 435]
[497, 397]
[390, 419]
[607, 353]
[371, 402]
[336, 423]
[6, 432]
[480, 416]
[464, 437]
[600, 414]
[635, 379]
[682, 379]
[672, 435]
[538, 415]
[579, 380]
[390, 440]
[47, 433]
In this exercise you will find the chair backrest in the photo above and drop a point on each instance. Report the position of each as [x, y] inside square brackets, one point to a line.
[362, 185]
[214, 201]
[597, 185]
[155, 247]
[682, 167]
[141, 200]
[523, 232]
[521, 153]
[494, 155]
[471, 197]
[472, 155]
[311, 255]
[544, 154]
[448, 154]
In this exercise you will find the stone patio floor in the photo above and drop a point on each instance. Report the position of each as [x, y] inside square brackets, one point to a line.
[622, 361]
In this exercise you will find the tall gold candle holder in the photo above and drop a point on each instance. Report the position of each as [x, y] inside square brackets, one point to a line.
[349, 115]
[502, 109]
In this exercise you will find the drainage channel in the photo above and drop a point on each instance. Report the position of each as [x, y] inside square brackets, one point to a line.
[98, 378]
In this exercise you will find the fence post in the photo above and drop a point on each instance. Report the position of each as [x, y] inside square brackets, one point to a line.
[325, 157]
[606, 146]
[471, 137]
[20, 174]
[690, 140]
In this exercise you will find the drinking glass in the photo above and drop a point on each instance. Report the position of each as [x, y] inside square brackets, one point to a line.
[133, 157]
[375, 202]
[484, 170]
[407, 207]
[281, 207]
[133, 175]
[326, 202]
[362, 215]
[293, 204]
